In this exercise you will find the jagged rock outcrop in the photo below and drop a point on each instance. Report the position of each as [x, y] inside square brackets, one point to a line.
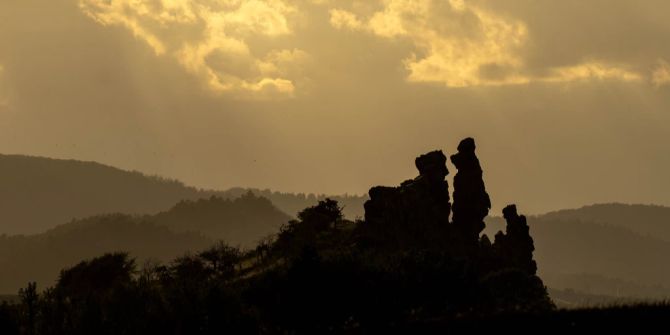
[416, 214]
[415, 208]
[471, 202]
[515, 247]
[411, 260]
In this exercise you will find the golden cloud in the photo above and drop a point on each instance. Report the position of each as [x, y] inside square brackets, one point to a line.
[209, 39]
[459, 45]
[592, 70]
[454, 43]
[462, 45]
[341, 19]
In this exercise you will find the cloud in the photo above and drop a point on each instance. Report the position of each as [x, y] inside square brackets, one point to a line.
[661, 75]
[459, 44]
[341, 19]
[455, 43]
[232, 46]
[210, 39]
[592, 70]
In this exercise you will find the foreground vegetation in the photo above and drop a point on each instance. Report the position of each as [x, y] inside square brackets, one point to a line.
[312, 278]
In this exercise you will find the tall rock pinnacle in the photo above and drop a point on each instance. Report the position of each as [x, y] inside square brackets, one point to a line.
[471, 202]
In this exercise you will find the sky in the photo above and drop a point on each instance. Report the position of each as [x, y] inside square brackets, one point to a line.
[569, 101]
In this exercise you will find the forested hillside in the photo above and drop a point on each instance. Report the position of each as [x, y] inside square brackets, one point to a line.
[63, 190]
[188, 226]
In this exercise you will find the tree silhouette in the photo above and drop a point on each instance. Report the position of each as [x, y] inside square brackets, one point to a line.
[29, 300]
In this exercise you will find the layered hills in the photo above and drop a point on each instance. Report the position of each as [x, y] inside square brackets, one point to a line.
[38, 193]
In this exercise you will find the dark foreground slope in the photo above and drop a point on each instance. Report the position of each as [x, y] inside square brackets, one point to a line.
[67, 189]
[637, 318]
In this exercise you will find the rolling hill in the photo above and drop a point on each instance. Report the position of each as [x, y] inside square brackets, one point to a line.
[241, 221]
[593, 250]
[37, 193]
[189, 226]
[648, 220]
[41, 257]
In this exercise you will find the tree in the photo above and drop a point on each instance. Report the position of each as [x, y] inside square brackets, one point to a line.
[29, 300]
[321, 216]
[222, 259]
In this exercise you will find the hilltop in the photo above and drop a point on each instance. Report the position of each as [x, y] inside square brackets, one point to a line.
[647, 220]
[63, 190]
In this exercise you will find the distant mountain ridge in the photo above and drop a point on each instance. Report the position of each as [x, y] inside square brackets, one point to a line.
[189, 226]
[240, 221]
[616, 250]
[292, 203]
[38, 193]
[648, 220]
[41, 257]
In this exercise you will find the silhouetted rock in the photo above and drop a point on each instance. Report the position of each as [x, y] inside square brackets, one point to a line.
[411, 222]
[471, 202]
[515, 247]
[417, 207]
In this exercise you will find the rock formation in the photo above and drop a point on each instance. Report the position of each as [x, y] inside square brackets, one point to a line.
[416, 214]
[417, 207]
[471, 202]
[410, 225]
[515, 247]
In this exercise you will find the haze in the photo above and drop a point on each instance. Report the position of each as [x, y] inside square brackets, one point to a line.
[569, 100]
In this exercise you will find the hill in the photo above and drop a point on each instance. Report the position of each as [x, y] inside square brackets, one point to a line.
[67, 189]
[292, 203]
[40, 257]
[187, 226]
[240, 221]
[594, 252]
[649, 220]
